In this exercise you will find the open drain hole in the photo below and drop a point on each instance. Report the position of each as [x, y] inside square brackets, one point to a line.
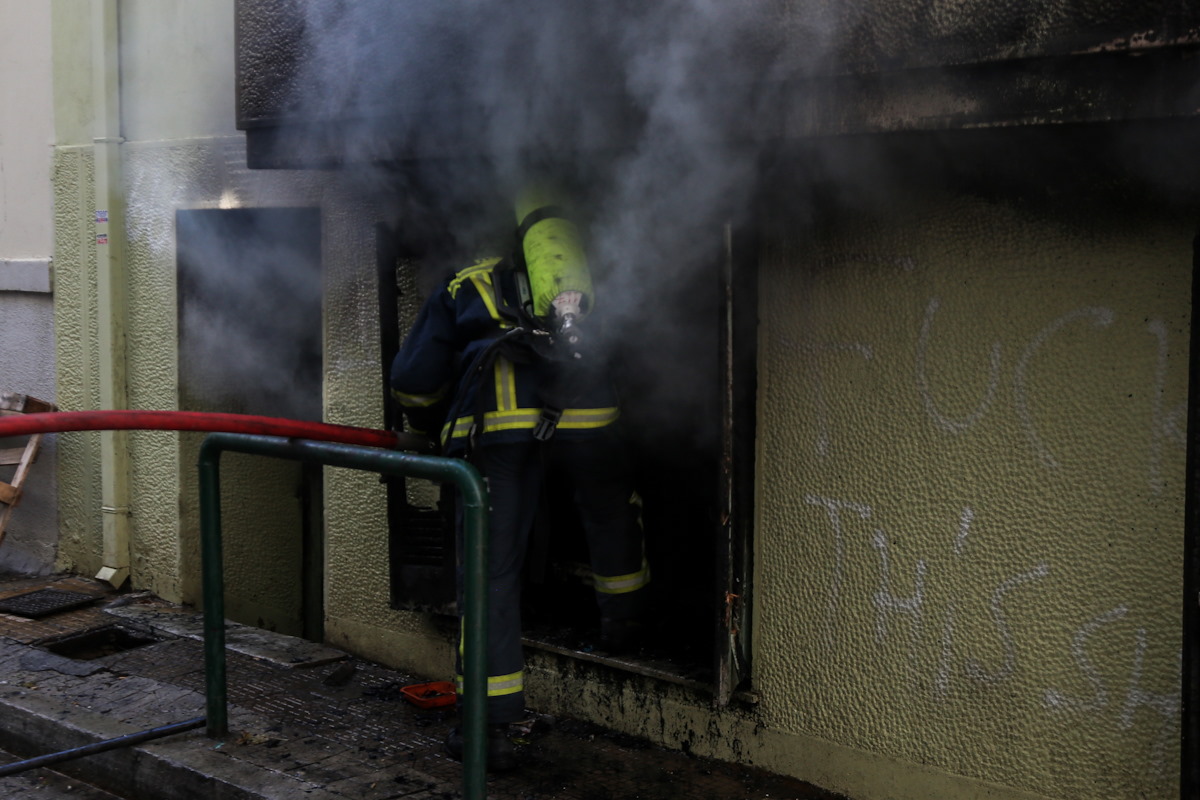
[99, 643]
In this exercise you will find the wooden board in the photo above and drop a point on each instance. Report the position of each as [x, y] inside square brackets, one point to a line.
[24, 404]
[23, 457]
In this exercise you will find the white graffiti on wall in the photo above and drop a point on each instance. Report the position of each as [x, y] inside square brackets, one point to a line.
[1102, 318]
[941, 680]
[1164, 707]
[974, 667]
[888, 604]
[900, 596]
[1137, 697]
[1167, 706]
[939, 419]
[1054, 698]
[1166, 424]
[834, 509]
[951, 662]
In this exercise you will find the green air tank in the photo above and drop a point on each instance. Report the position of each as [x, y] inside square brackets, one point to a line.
[558, 272]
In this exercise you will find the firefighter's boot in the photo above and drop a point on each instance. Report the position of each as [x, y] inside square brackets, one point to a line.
[501, 754]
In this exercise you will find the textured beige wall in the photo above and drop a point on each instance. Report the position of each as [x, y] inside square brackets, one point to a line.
[173, 158]
[263, 586]
[263, 589]
[76, 335]
[358, 615]
[162, 177]
[970, 491]
[176, 157]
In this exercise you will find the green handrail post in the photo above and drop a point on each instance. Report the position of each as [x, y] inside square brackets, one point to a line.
[212, 576]
[388, 462]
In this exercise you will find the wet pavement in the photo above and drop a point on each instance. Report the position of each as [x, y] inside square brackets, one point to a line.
[306, 721]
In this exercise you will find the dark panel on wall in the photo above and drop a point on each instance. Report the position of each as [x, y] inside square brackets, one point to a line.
[322, 83]
[918, 33]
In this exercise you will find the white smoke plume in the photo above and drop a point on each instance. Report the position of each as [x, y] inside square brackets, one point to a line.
[660, 113]
[656, 112]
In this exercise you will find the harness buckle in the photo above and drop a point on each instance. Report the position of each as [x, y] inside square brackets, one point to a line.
[547, 423]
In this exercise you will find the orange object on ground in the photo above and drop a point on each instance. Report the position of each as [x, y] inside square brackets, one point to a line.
[429, 695]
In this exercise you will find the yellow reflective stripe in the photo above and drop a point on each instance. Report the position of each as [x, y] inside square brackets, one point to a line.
[469, 272]
[506, 385]
[498, 685]
[508, 422]
[573, 418]
[419, 400]
[588, 417]
[513, 415]
[506, 684]
[622, 584]
[493, 421]
[457, 429]
[483, 284]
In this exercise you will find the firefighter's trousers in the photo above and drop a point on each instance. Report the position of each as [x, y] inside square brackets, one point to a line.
[596, 470]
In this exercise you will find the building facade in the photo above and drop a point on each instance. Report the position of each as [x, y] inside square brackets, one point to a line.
[27, 363]
[951, 378]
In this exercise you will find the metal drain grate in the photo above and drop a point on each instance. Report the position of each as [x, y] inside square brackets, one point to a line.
[44, 602]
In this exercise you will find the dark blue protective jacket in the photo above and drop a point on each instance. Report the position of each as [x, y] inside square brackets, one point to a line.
[439, 384]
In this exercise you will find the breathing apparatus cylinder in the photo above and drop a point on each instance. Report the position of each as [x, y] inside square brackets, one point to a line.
[559, 281]
[560, 290]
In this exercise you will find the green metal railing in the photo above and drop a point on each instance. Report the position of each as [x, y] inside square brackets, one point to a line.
[386, 462]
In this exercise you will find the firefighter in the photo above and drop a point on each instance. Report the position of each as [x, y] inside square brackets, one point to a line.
[495, 365]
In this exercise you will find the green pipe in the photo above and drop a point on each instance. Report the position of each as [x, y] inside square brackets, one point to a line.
[385, 462]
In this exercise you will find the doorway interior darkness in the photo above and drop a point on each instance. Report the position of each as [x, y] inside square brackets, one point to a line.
[249, 338]
[686, 382]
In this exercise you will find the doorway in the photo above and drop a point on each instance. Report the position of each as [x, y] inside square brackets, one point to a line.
[691, 444]
[249, 311]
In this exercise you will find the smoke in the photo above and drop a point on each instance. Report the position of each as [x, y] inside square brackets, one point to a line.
[662, 117]
[655, 113]
[249, 311]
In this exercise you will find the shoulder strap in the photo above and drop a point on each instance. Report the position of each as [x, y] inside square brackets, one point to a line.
[514, 301]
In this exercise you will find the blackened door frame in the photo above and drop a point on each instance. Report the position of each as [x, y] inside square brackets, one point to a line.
[428, 585]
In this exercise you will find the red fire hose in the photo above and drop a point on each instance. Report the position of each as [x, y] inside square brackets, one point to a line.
[61, 421]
